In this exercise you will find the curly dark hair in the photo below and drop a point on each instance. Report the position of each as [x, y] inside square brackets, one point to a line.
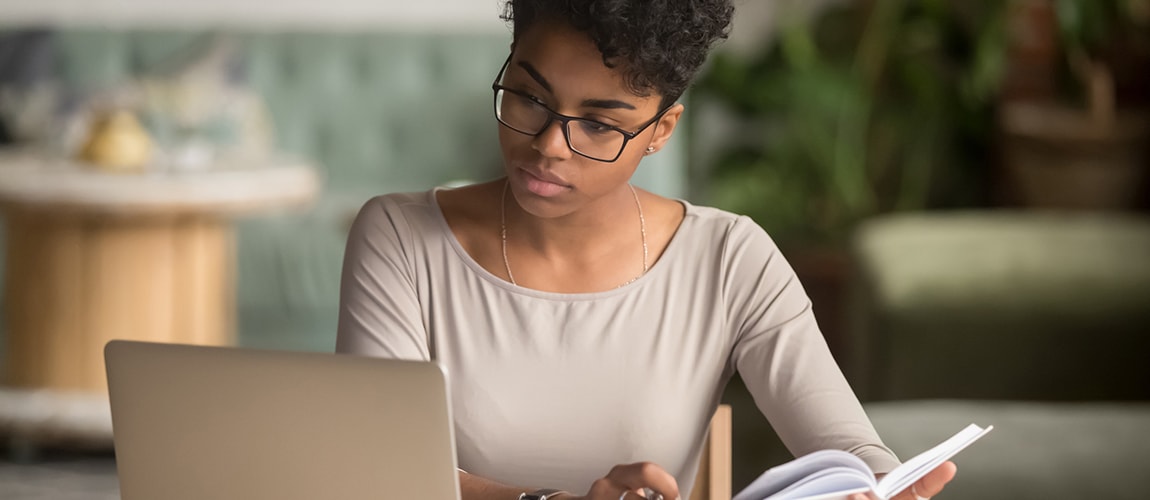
[657, 44]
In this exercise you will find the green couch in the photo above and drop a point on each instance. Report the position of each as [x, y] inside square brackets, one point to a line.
[376, 112]
[1036, 323]
[1003, 305]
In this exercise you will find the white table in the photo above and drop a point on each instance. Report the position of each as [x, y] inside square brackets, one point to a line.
[95, 256]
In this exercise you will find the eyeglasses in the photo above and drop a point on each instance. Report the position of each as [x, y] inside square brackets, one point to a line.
[525, 114]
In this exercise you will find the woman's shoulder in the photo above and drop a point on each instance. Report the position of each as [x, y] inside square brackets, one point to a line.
[432, 215]
[730, 240]
[400, 215]
[398, 202]
[711, 215]
[721, 223]
[436, 203]
[473, 203]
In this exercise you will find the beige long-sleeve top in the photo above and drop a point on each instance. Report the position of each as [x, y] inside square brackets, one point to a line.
[552, 390]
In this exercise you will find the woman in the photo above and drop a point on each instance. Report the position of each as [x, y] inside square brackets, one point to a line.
[589, 327]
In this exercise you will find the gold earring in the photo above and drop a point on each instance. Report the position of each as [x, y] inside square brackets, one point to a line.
[650, 149]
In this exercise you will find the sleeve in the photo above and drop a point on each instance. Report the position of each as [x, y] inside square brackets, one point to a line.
[379, 307]
[783, 358]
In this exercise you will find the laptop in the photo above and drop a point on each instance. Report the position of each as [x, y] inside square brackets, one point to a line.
[195, 422]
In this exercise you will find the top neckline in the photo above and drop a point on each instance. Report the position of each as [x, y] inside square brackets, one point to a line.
[656, 268]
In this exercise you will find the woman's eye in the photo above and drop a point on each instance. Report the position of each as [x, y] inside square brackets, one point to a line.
[594, 127]
[532, 99]
[523, 97]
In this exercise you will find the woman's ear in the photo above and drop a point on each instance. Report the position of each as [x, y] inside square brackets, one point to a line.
[666, 126]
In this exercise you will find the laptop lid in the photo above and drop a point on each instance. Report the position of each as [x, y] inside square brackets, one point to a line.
[194, 422]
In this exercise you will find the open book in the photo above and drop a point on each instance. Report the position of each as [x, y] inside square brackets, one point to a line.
[834, 474]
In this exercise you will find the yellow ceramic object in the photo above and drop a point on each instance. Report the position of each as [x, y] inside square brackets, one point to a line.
[117, 142]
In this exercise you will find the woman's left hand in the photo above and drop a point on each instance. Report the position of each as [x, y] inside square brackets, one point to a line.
[930, 484]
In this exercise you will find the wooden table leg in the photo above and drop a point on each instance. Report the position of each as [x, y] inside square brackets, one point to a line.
[74, 282]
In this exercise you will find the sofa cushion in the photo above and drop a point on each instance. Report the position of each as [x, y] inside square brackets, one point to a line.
[1003, 305]
[1045, 451]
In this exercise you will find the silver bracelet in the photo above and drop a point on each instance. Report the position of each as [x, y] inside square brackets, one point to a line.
[540, 494]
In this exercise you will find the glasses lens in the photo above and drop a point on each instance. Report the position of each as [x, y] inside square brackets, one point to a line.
[527, 116]
[594, 139]
[520, 113]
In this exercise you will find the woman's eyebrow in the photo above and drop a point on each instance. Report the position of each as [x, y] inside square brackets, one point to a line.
[535, 74]
[607, 104]
[588, 103]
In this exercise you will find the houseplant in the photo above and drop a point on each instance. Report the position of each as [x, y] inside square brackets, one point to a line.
[1080, 142]
[866, 107]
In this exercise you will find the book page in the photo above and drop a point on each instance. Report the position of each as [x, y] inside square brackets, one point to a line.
[913, 470]
[827, 484]
[836, 474]
[779, 478]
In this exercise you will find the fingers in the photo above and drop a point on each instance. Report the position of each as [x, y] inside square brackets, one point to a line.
[606, 489]
[633, 478]
[931, 484]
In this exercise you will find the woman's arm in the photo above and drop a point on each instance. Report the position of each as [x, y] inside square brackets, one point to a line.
[788, 368]
[473, 487]
[783, 358]
[379, 310]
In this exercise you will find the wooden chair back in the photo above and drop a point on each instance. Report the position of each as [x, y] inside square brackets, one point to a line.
[713, 481]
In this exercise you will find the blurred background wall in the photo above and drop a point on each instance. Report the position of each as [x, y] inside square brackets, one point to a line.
[443, 16]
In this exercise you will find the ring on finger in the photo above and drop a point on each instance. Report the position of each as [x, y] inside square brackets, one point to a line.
[624, 495]
[913, 492]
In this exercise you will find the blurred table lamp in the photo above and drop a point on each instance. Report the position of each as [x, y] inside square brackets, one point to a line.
[117, 142]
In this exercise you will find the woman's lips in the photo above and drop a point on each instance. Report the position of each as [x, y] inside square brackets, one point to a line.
[542, 187]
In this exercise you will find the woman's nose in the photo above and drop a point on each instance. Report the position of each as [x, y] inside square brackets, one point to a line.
[551, 142]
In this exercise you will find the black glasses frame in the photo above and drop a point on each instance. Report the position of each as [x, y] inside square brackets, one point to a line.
[565, 120]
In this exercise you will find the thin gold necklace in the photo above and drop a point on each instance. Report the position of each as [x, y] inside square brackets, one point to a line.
[503, 233]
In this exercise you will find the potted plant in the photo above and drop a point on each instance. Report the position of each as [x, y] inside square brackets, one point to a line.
[1080, 142]
[864, 108]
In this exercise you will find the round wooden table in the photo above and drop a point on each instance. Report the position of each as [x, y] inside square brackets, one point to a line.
[95, 256]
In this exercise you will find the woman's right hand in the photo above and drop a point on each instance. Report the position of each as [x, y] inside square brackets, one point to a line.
[626, 482]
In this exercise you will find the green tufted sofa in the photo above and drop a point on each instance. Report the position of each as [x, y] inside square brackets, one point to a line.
[1003, 305]
[1037, 323]
[375, 111]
